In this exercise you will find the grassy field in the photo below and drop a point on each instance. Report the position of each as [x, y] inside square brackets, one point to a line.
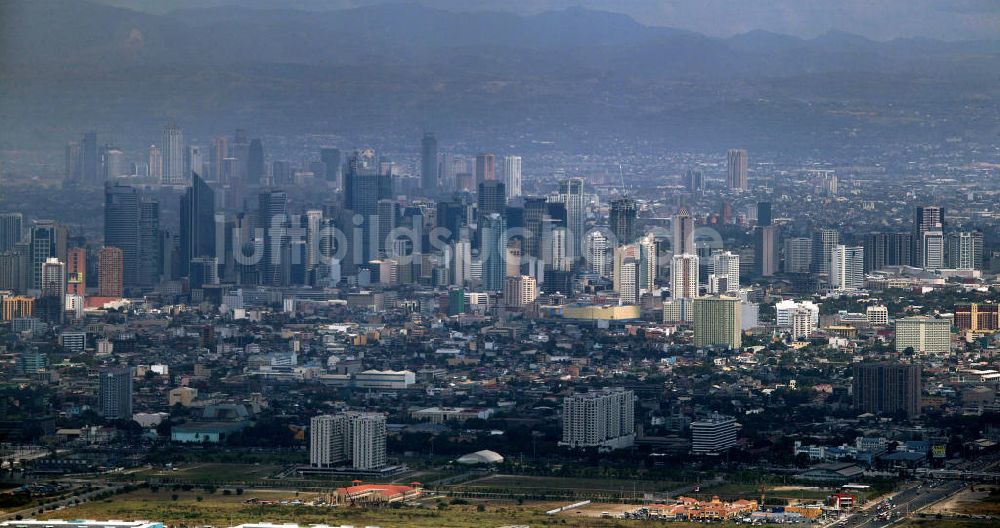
[521, 482]
[222, 510]
[208, 473]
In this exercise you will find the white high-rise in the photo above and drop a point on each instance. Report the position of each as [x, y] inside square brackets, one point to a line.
[355, 436]
[724, 273]
[173, 156]
[684, 276]
[512, 175]
[597, 250]
[847, 271]
[625, 277]
[933, 250]
[571, 194]
[155, 163]
[603, 419]
[559, 249]
[787, 308]
[461, 263]
[647, 263]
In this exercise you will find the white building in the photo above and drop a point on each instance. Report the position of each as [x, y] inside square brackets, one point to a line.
[461, 262]
[604, 419]
[384, 379]
[724, 273]
[597, 250]
[847, 267]
[355, 436]
[878, 315]
[684, 276]
[933, 250]
[520, 291]
[647, 263]
[713, 435]
[512, 175]
[925, 335]
[787, 308]
[678, 310]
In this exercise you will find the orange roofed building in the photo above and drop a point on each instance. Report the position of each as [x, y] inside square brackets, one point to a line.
[368, 494]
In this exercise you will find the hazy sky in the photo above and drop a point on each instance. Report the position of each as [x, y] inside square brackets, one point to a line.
[877, 19]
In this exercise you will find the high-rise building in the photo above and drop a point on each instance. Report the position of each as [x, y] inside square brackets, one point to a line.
[621, 219]
[717, 322]
[151, 243]
[89, 159]
[736, 170]
[364, 186]
[493, 251]
[926, 218]
[131, 223]
[965, 250]
[520, 291]
[932, 247]
[491, 199]
[824, 240]
[48, 240]
[684, 276]
[17, 307]
[16, 272]
[682, 232]
[76, 272]
[11, 230]
[461, 262]
[197, 223]
[272, 211]
[51, 305]
[596, 251]
[110, 281]
[604, 419]
[847, 268]
[764, 214]
[194, 162]
[114, 163]
[648, 263]
[713, 435]
[887, 388]
[155, 164]
[766, 250]
[485, 167]
[172, 146]
[899, 249]
[724, 273]
[624, 273]
[331, 158]
[979, 318]
[535, 211]
[352, 436]
[786, 312]
[694, 181]
[72, 171]
[255, 162]
[571, 194]
[512, 175]
[876, 249]
[218, 153]
[924, 335]
[240, 151]
[429, 164]
[115, 393]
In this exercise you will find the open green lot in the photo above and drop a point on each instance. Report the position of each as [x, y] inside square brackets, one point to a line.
[208, 473]
[524, 483]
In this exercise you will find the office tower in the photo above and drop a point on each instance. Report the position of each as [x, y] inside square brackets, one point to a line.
[621, 254]
[485, 167]
[571, 194]
[273, 218]
[932, 247]
[596, 250]
[131, 223]
[736, 170]
[461, 262]
[51, 305]
[491, 199]
[76, 272]
[493, 251]
[255, 162]
[116, 393]
[766, 254]
[713, 435]
[512, 175]
[648, 264]
[203, 271]
[604, 419]
[172, 146]
[194, 163]
[684, 276]
[451, 216]
[924, 335]
[824, 240]
[622, 219]
[887, 388]
[218, 153]
[150, 265]
[89, 159]
[535, 211]
[682, 233]
[48, 240]
[155, 164]
[330, 156]
[386, 213]
[978, 318]
[965, 250]
[520, 291]
[197, 213]
[557, 250]
[876, 247]
[764, 214]
[717, 322]
[899, 249]
[926, 218]
[847, 268]
[73, 171]
[364, 186]
[724, 274]
[694, 181]
[429, 164]
[11, 230]
[114, 163]
[110, 282]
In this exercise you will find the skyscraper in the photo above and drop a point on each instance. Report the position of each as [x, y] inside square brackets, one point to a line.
[512, 175]
[648, 264]
[172, 146]
[491, 199]
[571, 194]
[965, 250]
[89, 158]
[932, 248]
[132, 224]
[485, 167]
[493, 251]
[331, 157]
[51, 305]
[824, 241]
[926, 218]
[887, 388]
[682, 227]
[48, 240]
[352, 436]
[684, 276]
[11, 230]
[115, 393]
[429, 164]
[766, 247]
[604, 419]
[272, 214]
[218, 153]
[73, 170]
[461, 262]
[763, 214]
[255, 162]
[155, 164]
[597, 247]
[736, 170]
[717, 322]
[197, 223]
[622, 218]
[110, 272]
[798, 255]
[76, 272]
[724, 274]
[847, 266]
